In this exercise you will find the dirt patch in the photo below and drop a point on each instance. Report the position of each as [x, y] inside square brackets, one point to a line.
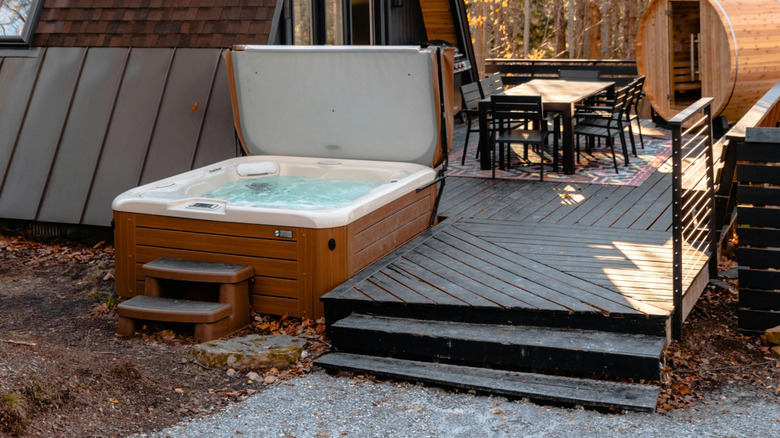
[64, 371]
[713, 353]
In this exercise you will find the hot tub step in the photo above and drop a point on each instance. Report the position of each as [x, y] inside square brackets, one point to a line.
[173, 310]
[212, 320]
[193, 270]
[169, 285]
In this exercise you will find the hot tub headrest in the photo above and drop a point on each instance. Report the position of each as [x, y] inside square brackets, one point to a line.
[346, 102]
[254, 169]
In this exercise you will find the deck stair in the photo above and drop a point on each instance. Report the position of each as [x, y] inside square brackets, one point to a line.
[477, 323]
[544, 364]
[580, 352]
[539, 387]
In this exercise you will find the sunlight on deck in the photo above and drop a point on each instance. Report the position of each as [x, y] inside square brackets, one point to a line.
[649, 276]
[570, 195]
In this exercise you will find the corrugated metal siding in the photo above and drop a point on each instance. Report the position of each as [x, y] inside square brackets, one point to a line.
[34, 151]
[82, 138]
[82, 125]
[180, 118]
[16, 81]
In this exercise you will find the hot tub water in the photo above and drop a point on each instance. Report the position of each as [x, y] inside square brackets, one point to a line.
[293, 192]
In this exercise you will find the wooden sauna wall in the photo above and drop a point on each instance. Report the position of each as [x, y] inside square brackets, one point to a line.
[757, 27]
[714, 58]
[437, 16]
[735, 79]
[654, 57]
[290, 274]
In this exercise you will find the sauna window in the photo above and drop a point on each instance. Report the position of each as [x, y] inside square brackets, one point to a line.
[17, 20]
[685, 29]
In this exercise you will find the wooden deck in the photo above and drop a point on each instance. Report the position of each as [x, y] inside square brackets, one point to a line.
[546, 253]
[545, 283]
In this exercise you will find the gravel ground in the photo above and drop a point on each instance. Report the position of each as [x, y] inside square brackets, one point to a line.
[320, 405]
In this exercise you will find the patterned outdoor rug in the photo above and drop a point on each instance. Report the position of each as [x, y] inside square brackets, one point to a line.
[593, 168]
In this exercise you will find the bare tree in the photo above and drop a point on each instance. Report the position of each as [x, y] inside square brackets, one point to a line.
[560, 35]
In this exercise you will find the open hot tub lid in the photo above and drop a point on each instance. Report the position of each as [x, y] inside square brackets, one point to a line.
[344, 102]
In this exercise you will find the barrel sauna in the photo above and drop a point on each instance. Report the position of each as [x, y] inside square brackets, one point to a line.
[725, 49]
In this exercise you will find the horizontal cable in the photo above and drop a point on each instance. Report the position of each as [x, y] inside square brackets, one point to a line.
[694, 125]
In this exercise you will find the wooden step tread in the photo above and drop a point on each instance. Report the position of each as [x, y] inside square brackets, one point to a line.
[587, 340]
[193, 270]
[574, 351]
[173, 310]
[553, 389]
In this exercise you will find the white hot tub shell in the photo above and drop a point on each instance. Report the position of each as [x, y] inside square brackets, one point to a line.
[300, 254]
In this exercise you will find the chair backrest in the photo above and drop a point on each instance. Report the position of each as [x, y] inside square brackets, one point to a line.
[471, 95]
[636, 92]
[517, 109]
[491, 84]
[620, 104]
[633, 94]
[579, 75]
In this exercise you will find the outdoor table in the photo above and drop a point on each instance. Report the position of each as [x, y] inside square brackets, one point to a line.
[557, 96]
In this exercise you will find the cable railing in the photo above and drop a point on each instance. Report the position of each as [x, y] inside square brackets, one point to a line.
[693, 203]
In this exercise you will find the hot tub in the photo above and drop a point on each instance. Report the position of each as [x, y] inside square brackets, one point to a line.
[301, 251]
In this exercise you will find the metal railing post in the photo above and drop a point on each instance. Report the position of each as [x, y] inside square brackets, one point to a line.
[693, 202]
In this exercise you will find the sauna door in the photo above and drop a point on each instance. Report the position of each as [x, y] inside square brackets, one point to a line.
[685, 34]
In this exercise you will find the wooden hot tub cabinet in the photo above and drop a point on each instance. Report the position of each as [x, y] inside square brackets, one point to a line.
[725, 49]
[290, 273]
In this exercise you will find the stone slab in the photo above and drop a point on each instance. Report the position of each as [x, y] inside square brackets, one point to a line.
[772, 335]
[252, 352]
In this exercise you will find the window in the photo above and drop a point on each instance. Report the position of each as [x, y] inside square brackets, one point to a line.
[318, 22]
[17, 20]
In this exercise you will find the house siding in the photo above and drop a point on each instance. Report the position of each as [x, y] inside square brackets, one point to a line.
[114, 94]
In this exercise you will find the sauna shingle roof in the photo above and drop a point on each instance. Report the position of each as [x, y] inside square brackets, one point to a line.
[154, 23]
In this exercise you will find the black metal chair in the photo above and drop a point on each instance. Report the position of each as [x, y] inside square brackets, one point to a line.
[471, 97]
[635, 96]
[520, 119]
[604, 120]
[491, 84]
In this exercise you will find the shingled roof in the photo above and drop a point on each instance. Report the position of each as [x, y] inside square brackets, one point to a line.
[154, 23]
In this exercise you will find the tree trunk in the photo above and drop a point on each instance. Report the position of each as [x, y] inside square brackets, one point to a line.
[570, 30]
[605, 35]
[594, 31]
[560, 36]
[526, 28]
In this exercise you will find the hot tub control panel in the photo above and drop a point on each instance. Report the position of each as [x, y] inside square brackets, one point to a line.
[203, 205]
[287, 234]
